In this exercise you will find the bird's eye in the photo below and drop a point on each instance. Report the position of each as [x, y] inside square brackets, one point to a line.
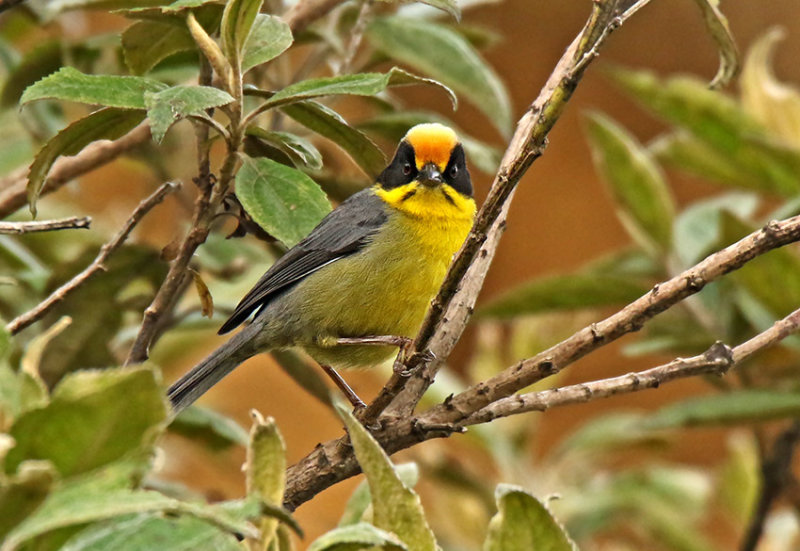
[407, 169]
[454, 171]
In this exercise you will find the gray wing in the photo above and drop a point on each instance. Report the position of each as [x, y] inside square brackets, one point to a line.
[344, 231]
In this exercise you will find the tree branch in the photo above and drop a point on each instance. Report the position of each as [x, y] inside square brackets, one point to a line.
[14, 194]
[98, 264]
[71, 223]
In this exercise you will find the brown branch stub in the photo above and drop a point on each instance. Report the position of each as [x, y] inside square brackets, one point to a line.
[71, 223]
[21, 322]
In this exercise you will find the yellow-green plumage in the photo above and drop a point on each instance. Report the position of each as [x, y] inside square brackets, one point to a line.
[369, 269]
[384, 289]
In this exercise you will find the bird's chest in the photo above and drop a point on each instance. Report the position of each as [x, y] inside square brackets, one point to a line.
[386, 288]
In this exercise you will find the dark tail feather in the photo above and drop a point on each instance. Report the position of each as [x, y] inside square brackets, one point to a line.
[213, 369]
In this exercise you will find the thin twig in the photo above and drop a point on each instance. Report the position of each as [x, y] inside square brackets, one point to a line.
[14, 195]
[71, 223]
[775, 473]
[98, 264]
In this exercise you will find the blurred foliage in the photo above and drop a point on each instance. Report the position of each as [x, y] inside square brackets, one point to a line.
[78, 447]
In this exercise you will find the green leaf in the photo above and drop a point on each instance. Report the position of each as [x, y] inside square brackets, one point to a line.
[774, 104]
[181, 5]
[269, 37]
[360, 84]
[448, 57]
[237, 20]
[740, 477]
[94, 418]
[147, 43]
[394, 126]
[265, 468]
[730, 408]
[212, 428]
[773, 278]
[564, 292]
[112, 91]
[355, 537]
[395, 507]
[266, 460]
[168, 106]
[720, 31]
[82, 502]
[108, 124]
[698, 229]
[23, 492]
[523, 523]
[683, 151]
[19, 392]
[147, 532]
[284, 201]
[329, 124]
[636, 182]
[360, 499]
[721, 125]
[300, 151]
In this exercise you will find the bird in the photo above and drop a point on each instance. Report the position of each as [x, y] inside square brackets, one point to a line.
[359, 285]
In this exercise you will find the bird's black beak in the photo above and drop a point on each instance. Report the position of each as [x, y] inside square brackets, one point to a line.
[430, 175]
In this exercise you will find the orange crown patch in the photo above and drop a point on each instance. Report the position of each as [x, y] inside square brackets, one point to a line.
[432, 143]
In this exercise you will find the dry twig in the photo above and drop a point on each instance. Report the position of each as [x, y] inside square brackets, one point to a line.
[21, 322]
[71, 223]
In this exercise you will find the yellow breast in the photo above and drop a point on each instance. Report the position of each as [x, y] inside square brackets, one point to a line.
[386, 288]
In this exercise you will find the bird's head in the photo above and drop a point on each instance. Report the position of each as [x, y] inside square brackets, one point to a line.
[429, 162]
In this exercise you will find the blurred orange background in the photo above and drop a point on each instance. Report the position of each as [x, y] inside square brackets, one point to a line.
[561, 218]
